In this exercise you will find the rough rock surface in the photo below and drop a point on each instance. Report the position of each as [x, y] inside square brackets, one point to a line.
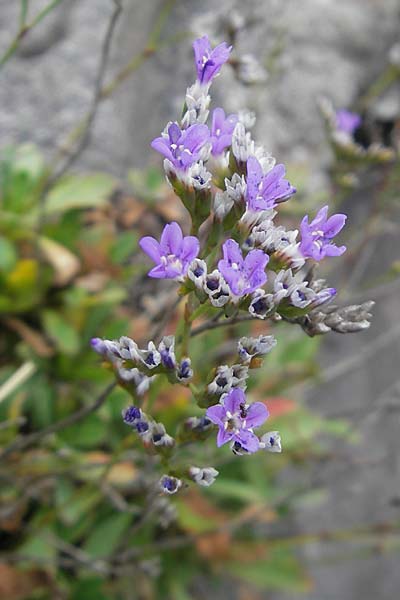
[330, 47]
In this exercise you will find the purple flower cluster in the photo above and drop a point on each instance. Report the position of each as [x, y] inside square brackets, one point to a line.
[239, 260]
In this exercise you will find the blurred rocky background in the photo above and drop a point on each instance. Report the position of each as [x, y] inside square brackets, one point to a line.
[298, 52]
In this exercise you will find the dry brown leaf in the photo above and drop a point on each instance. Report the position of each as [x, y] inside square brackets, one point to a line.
[201, 506]
[127, 212]
[122, 473]
[215, 546]
[65, 264]
[171, 209]
[93, 282]
[12, 522]
[32, 337]
[247, 593]
[17, 584]
[257, 512]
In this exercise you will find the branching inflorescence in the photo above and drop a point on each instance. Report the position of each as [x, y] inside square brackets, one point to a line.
[238, 260]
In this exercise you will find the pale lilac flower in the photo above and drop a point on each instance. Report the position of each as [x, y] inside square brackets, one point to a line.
[182, 147]
[236, 420]
[243, 145]
[243, 275]
[249, 347]
[209, 61]
[197, 101]
[271, 442]
[173, 254]
[184, 370]
[166, 349]
[265, 191]
[262, 304]
[134, 377]
[347, 121]
[160, 437]
[131, 415]
[221, 130]
[316, 236]
[204, 477]
[198, 424]
[169, 484]
[149, 358]
[227, 378]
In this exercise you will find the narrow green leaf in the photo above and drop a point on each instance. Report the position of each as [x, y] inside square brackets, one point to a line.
[106, 536]
[80, 191]
[61, 332]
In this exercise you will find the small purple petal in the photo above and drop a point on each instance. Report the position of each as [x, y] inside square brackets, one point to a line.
[234, 400]
[151, 247]
[216, 414]
[248, 440]
[190, 248]
[232, 252]
[334, 225]
[161, 145]
[223, 437]
[257, 414]
[221, 130]
[347, 121]
[171, 239]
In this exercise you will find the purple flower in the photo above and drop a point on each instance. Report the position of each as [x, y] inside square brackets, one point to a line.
[236, 420]
[182, 147]
[347, 121]
[221, 130]
[172, 254]
[243, 275]
[266, 191]
[316, 236]
[208, 61]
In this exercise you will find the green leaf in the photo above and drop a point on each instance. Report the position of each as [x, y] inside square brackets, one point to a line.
[192, 521]
[72, 505]
[61, 332]
[88, 433]
[39, 546]
[8, 255]
[123, 247]
[80, 191]
[89, 589]
[41, 401]
[279, 570]
[230, 489]
[106, 536]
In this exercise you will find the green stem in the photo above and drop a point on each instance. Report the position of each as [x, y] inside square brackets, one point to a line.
[186, 327]
[24, 28]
